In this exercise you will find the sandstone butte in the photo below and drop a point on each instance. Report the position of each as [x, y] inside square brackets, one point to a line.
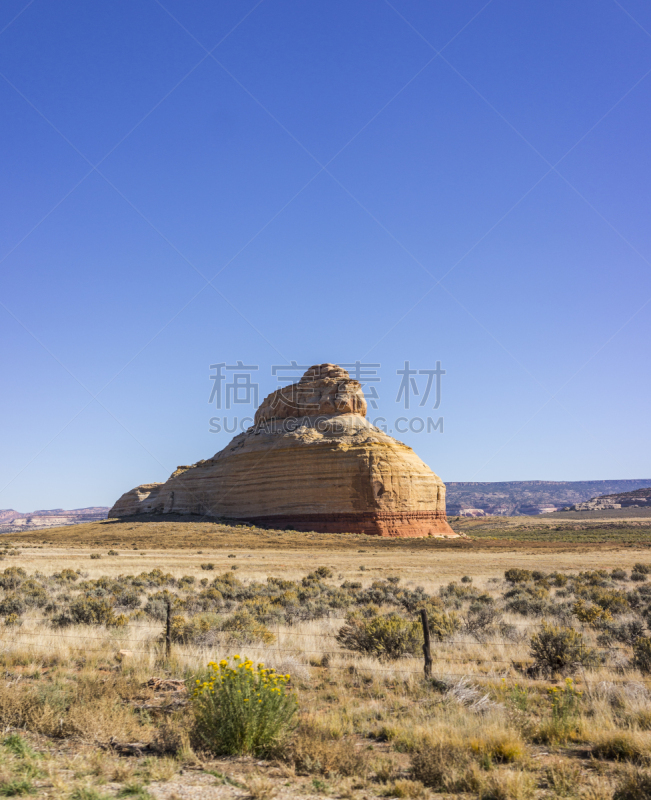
[310, 462]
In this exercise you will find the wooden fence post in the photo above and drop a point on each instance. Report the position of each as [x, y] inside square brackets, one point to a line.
[426, 643]
[168, 630]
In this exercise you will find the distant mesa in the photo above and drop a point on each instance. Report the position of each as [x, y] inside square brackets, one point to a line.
[310, 462]
[530, 498]
[640, 498]
[12, 521]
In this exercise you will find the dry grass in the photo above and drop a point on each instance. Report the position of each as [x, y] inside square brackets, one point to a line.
[369, 728]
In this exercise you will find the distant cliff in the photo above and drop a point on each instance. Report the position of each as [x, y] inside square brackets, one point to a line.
[514, 498]
[11, 520]
[640, 498]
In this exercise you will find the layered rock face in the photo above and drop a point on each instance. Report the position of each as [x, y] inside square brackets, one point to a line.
[311, 462]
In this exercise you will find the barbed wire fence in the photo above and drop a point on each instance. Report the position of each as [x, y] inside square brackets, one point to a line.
[162, 645]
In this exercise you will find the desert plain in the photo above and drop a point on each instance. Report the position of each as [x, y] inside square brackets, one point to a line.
[94, 707]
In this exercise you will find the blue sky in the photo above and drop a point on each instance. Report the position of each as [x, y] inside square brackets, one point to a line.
[185, 184]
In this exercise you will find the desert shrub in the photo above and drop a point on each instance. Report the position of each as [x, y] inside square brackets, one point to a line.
[455, 592]
[481, 618]
[618, 574]
[390, 636]
[555, 648]
[12, 604]
[442, 624]
[612, 600]
[12, 577]
[526, 602]
[634, 785]
[314, 750]
[643, 569]
[506, 785]
[208, 566]
[209, 598]
[558, 579]
[66, 576]
[444, 766]
[628, 632]
[186, 581]
[95, 556]
[13, 619]
[113, 553]
[33, 593]
[640, 577]
[591, 614]
[129, 598]
[201, 629]
[323, 572]
[499, 747]
[516, 575]
[642, 654]
[243, 628]
[242, 710]
[564, 778]
[622, 746]
[90, 611]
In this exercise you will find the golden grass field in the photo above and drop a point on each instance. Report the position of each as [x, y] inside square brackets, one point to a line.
[369, 727]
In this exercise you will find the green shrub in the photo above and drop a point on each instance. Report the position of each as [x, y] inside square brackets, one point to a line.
[323, 572]
[390, 636]
[66, 575]
[12, 577]
[12, 604]
[555, 648]
[200, 629]
[90, 611]
[515, 575]
[642, 654]
[442, 624]
[242, 710]
[244, 628]
[18, 787]
[591, 614]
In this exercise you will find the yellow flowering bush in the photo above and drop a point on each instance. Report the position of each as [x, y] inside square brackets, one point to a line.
[241, 708]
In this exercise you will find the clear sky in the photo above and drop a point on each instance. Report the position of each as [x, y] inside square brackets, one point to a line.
[195, 183]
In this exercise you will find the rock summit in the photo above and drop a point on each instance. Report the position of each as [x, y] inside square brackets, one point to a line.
[311, 462]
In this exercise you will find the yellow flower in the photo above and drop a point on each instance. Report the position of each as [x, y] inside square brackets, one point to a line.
[237, 658]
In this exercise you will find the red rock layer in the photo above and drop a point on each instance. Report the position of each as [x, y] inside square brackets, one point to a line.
[398, 525]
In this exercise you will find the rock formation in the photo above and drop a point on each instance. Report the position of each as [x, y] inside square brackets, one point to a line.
[640, 498]
[11, 520]
[310, 462]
